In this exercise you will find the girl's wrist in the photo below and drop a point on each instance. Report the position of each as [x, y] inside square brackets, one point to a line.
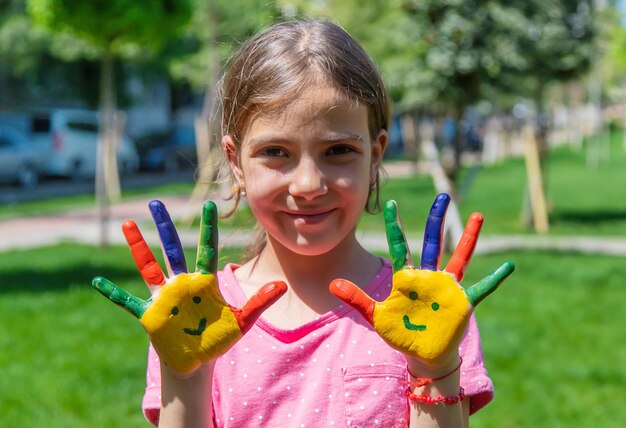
[202, 371]
[421, 369]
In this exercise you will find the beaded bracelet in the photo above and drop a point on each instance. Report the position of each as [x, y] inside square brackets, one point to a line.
[422, 381]
[427, 399]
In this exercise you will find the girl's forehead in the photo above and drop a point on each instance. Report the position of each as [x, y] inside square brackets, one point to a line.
[312, 103]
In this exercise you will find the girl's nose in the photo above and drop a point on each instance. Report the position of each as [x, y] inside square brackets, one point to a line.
[308, 180]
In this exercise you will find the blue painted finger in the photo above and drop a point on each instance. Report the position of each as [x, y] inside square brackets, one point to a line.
[433, 234]
[172, 247]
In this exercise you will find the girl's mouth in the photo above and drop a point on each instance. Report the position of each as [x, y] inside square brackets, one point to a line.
[310, 217]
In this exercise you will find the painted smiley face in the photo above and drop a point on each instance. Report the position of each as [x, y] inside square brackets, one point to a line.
[430, 308]
[413, 295]
[190, 312]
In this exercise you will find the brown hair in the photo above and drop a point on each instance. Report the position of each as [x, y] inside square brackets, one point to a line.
[269, 70]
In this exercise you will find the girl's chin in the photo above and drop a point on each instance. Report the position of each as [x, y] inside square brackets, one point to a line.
[315, 245]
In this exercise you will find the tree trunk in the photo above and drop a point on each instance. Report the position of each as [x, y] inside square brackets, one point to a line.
[106, 106]
[206, 130]
[535, 206]
[536, 201]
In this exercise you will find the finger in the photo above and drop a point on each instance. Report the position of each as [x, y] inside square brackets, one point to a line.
[123, 299]
[170, 241]
[477, 292]
[257, 304]
[355, 297]
[465, 248]
[398, 248]
[206, 259]
[433, 234]
[148, 267]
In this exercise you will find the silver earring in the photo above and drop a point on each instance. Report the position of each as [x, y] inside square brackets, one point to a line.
[242, 190]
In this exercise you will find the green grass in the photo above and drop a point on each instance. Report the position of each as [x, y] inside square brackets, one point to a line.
[582, 200]
[69, 358]
[553, 336]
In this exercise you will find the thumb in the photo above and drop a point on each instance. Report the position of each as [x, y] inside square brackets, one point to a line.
[354, 296]
[257, 304]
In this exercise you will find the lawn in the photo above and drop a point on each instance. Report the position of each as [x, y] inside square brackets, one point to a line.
[553, 336]
[582, 200]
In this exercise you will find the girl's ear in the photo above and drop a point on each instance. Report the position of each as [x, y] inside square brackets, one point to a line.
[378, 150]
[231, 151]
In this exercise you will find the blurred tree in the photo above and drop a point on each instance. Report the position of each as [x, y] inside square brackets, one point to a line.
[614, 62]
[437, 56]
[441, 56]
[558, 43]
[217, 28]
[108, 29]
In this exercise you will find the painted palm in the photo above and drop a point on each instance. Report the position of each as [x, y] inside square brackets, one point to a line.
[427, 310]
[186, 317]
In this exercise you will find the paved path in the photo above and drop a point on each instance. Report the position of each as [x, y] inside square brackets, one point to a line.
[82, 226]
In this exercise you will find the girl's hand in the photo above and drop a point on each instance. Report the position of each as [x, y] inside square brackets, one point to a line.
[187, 319]
[427, 311]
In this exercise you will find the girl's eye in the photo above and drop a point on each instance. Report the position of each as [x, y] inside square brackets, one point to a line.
[274, 152]
[340, 150]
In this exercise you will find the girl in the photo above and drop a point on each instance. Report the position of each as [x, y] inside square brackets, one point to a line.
[304, 115]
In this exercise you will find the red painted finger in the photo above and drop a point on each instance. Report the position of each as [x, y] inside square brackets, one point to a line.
[148, 267]
[465, 248]
[266, 296]
[353, 296]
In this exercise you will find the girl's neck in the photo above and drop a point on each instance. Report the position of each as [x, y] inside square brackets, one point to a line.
[307, 277]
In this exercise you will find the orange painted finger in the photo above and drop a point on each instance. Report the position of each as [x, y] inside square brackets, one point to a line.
[257, 304]
[148, 267]
[465, 248]
[355, 297]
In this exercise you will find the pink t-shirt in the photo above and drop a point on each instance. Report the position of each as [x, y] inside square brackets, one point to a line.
[333, 371]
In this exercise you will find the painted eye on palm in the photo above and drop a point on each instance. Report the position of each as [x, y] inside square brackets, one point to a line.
[186, 317]
[427, 310]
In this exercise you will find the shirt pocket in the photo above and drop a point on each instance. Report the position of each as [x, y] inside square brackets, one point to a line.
[374, 396]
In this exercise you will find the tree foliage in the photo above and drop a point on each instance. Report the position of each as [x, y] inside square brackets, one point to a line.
[216, 28]
[115, 25]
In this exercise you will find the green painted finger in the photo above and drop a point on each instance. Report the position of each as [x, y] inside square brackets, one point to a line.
[398, 248]
[477, 292]
[206, 259]
[125, 300]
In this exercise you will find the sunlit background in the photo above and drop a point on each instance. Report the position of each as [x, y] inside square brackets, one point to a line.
[517, 109]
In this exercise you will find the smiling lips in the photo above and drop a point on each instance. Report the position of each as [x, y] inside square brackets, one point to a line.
[310, 217]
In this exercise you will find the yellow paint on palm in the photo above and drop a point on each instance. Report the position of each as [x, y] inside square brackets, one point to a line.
[430, 308]
[189, 311]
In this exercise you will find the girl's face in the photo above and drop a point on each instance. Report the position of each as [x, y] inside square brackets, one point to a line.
[307, 169]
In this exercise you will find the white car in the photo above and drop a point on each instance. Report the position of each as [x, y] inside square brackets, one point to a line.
[20, 162]
[70, 138]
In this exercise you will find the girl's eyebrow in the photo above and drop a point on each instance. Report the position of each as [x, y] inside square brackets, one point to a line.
[342, 136]
[333, 137]
[265, 139]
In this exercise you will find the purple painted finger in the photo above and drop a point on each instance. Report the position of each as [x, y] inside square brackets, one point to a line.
[433, 234]
[170, 241]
